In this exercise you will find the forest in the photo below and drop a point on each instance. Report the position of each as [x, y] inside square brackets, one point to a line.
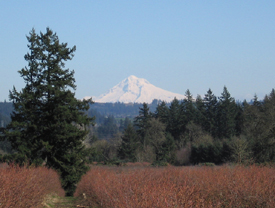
[207, 129]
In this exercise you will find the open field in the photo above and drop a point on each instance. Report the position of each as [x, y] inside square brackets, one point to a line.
[223, 186]
[102, 186]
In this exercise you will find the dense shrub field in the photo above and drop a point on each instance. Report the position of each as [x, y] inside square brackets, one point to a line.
[27, 187]
[223, 186]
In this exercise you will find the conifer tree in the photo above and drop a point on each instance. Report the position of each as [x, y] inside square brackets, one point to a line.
[175, 127]
[48, 123]
[141, 122]
[188, 109]
[227, 111]
[199, 118]
[162, 112]
[210, 113]
[129, 144]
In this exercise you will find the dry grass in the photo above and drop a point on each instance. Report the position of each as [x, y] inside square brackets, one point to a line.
[179, 187]
[27, 187]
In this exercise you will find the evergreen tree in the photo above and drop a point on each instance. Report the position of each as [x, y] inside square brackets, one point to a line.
[188, 109]
[200, 118]
[141, 122]
[210, 113]
[129, 144]
[227, 111]
[48, 122]
[239, 119]
[175, 127]
[162, 112]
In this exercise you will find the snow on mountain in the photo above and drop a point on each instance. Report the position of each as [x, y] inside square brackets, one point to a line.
[136, 90]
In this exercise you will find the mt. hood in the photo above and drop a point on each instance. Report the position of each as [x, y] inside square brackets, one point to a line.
[136, 90]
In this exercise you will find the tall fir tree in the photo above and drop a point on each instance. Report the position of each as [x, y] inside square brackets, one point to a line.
[141, 122]
[227, 111]
[162, 112]
[210, 113]
[188, 109]
[199, 117]
[48, 122]
[175, 121]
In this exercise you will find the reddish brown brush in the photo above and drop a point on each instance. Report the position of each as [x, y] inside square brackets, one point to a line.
[3, 165]
[179, 187]
[27, 187]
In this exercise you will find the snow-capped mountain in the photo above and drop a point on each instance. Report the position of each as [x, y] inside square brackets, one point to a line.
[136, 90]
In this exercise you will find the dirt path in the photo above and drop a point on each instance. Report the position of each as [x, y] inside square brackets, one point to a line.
[62, 202]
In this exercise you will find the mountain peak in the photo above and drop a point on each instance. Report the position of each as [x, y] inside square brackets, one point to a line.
[132, 77]
[136, 90]
[134, 81]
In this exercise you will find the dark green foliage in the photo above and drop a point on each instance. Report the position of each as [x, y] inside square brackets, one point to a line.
[108, 129]
[199, 117]
[259, 128]
[168, 149]
[5, 147]
[155, 136]
[188, 108]
[141, 122]
[209, 152]
[48, 122]
[129, 144]
[210, 113]
[207, 129]
[162, 112]
[226, 115]
[175, 126]
[99, 118]
[239, 119]
[97, 153]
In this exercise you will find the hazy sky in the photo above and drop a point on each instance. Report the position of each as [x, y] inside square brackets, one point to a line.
[175, 45]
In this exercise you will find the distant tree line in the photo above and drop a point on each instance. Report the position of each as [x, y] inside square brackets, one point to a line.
[194, 130]
[120, 110]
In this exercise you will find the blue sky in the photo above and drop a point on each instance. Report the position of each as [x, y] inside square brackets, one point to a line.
[175, 45]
